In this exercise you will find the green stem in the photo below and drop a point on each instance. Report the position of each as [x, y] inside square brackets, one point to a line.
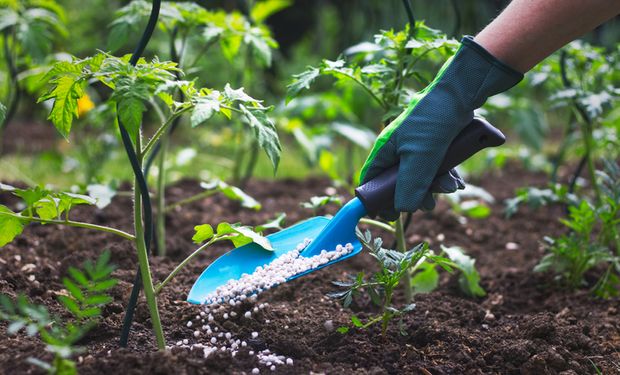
[160, 227]
[251, 165]
[378, 224]
[586, 131]
[143, 260]
[381, 103]
[401, 246]
[180, 266]
[162, 130]
[71, 223]
[191, 199]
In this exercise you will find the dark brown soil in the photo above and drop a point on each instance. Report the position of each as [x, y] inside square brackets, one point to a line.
[524, 325]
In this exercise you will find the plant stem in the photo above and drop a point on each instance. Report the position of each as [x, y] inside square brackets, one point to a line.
[378, 224]
[586, 131]
[401, 246]
[160, 228]
[143, 260]
[162, 129]
[71, 223]
[191, 199]
[251, 165]
[180, 266]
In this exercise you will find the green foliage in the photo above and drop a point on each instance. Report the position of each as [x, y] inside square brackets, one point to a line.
[34, 24]
[469, 278]
[134, 86]
[238, 234]
[471, 202]
[231, 30]
[85, 296]
[39, 203]
[320, 201]
[535, 198]
[394, 265]
[2, 113]
[232, 192]
[590, 244]
[372, 82]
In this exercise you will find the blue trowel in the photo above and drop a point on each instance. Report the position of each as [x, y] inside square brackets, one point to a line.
[327, 233]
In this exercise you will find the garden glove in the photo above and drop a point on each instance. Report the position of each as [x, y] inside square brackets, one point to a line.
[419, 137]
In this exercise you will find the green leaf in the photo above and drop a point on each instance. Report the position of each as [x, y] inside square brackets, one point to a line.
[10, 227]
[469, 280]
[79, 276]
[263, 9]
[2, 113]
[232, 192]
[71, 305]
[426, 280]
[75, 291]
[276, 223]
[342, 329]
[202, 233]
[301, 81]
[356, 321]
[65, 93]
[247, 232]
[204, 109]
[47, 208]
[265, 133]
[103, 285]
[98, 299]
[130, 114]
[260, 45]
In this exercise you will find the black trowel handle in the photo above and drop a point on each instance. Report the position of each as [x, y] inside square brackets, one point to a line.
[378, 194]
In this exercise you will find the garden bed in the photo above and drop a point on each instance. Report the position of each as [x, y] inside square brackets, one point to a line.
[523, 325]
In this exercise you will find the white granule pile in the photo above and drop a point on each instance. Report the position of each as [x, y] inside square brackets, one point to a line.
[268, 276]
[229, 296]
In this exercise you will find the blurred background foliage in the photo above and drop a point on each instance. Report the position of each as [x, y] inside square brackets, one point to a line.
[261, 45]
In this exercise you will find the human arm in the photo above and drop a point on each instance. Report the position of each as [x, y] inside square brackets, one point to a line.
[527, 31]
[493, 62]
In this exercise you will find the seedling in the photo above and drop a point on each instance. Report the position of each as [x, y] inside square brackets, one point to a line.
[28, 30]
[85, 295]
[591, 241]
[394, 267]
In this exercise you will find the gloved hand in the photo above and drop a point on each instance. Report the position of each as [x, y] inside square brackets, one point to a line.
[419, 137]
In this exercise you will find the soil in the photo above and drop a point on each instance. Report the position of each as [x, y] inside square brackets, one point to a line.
[526, 324]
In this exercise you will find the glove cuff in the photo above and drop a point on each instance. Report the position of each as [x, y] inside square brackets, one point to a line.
[486, 74]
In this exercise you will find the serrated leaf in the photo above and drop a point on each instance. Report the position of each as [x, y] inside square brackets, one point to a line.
[259, 44]
[204, 109]
[73, 289]
[65, 93]
[103, 285]
[356, 321]
[203, 233]
[98, 299]
[10, 227]
[71, 305]
[78, 276]
[264, 132]
[47, 208]
[130, 114]
[301, 81]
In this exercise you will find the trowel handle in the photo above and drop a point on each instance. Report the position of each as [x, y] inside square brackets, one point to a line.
[378, 194]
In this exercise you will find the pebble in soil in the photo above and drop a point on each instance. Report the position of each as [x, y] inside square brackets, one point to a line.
[236, 300]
